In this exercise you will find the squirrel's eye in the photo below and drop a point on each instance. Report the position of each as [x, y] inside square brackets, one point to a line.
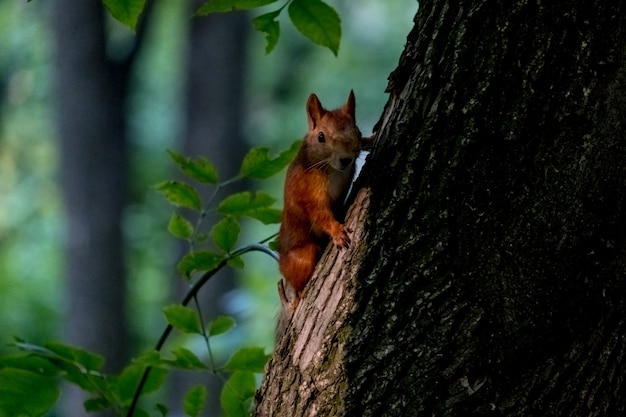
[321, 138]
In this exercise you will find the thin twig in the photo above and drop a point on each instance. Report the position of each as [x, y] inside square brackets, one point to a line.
[205, 336]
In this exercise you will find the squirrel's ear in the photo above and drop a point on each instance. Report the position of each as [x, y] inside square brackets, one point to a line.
[350, 105]
[314, 111]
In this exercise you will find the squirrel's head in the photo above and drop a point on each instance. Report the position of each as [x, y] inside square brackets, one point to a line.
[333, 139]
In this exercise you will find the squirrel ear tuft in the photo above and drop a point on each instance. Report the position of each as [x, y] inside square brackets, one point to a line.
[314, 111]
[350, 105]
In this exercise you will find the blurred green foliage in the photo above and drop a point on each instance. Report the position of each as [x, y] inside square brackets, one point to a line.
[31, 213]
[40, 367]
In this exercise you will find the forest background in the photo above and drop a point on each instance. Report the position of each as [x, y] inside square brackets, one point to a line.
[33, 292]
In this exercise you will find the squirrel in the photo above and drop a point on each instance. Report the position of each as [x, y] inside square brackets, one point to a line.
[316, 185]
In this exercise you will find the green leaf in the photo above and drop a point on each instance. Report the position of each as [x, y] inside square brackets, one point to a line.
[250, 359]
[255, 205]
[180, 227]
[200, 169]
[151, 358]
[221, 325]
[68, 360]
[199, 261]
[25, 393]
[180, 194]
[236, 262]
[125, 11]
[140, 412]
[155, 380]
[317, 21]
[77, 375]
[194, 400]
[237, 394]
[33, 363]
[273, 245]
[258, 164]
[88, 360]
[162, 409]
[182, 318]
[96, 404]
[225, 233]
[127, 382]
[186, 359]
[266, 215]
[219, 6]
[267, 23]
[240, 204]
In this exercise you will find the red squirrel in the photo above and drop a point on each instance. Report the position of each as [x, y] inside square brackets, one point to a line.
[316, 185]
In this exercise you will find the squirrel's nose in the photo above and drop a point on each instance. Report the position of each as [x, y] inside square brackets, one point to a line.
[345, 162]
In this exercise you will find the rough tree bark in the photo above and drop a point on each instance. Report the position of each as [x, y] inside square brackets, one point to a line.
[489, 279]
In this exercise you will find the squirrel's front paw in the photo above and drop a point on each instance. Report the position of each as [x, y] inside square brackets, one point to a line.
[341, 239]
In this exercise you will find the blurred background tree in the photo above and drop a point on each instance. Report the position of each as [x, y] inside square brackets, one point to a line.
[84, 252]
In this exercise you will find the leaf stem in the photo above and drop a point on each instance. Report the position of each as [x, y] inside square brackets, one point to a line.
[205, 210]
[205, 336]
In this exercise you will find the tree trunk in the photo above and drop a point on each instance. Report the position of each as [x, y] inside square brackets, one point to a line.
[90, 99]
[489, 279]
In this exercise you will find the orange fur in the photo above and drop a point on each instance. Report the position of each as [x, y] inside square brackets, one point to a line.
[315, 187]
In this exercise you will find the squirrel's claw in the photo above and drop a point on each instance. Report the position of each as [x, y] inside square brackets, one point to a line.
[343, 240]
